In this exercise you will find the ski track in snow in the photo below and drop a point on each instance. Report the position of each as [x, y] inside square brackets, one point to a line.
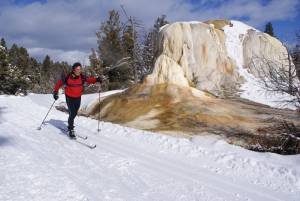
[128, 164]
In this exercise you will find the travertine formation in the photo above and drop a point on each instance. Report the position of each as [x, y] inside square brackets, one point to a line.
[198, 66]
[194, 54]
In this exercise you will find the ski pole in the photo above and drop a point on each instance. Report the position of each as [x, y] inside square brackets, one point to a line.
[99, 111]
[40, 127]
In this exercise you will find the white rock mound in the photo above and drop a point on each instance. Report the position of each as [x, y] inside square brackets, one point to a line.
[209, 56]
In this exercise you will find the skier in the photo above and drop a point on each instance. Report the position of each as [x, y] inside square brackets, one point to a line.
[73, 83]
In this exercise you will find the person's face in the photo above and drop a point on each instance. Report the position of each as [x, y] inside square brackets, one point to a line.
[77, 70]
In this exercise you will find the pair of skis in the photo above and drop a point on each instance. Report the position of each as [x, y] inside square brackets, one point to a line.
[81, 139]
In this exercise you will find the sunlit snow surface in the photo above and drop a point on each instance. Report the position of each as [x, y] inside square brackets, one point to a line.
[128, 164]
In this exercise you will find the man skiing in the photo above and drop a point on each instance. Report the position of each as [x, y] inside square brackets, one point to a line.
[73, 83]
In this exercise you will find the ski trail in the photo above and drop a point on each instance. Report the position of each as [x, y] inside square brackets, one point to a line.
[47, 165]
[177, 169]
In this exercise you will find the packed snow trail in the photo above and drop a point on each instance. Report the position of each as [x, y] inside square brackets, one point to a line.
[128, 164]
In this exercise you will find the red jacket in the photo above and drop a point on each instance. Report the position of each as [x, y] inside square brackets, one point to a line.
[73, 84]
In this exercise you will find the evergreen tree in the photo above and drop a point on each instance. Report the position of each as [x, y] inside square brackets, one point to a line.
[13, 55]
[296, 54]
[45, 80]
[46, 66]
[50, 72]
[160, 21]
[128, 39]
[95, 69]
[109, 39]
[151, 43]
[4, 69]
[20, 73]
[148, 53]
[23, 61]
[3, 58]
[110, 47]
[19, 58]
[129, 44]
[269, 29]
[12, 79]
[95, 64]
[3, 43]
[35, 71]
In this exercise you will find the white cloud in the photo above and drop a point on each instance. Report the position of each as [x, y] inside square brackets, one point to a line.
[255, 12]
[70, 26]
[61, 55]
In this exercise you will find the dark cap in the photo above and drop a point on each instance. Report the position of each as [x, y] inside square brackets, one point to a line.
[75, 65]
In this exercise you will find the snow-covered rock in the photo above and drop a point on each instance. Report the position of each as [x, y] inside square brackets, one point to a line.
[198, 63]
[194, 54]
[248, 47]
[209, 56]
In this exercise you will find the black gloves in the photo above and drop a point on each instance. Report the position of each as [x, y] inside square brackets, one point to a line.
[55, 95]
[99, 79]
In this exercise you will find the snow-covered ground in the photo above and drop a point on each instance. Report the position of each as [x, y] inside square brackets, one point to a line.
[128, 164]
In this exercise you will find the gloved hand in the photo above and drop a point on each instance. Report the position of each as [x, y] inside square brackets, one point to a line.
[55, 95]
[98, 79]
[101, 79]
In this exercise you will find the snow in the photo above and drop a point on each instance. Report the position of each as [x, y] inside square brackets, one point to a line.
[162, 27]
[90, 98]
[128, 164]
[252, 88]
[188, 22]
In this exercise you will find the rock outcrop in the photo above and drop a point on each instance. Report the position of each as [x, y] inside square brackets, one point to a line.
[200, 65]
[259, 47]
[194, 54]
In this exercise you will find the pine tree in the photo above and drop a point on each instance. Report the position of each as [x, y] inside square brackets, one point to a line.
[296, 54]
[109, 39]
[45, 75]
[4, 69]
[3, 43]
[23, 61]
[96, 69]
[129, 46]
[12, 79]
[13, 55]
[95, 64]
[35, 71]
[148, 53]
[151, 44]
[128, 40]
[3, 58]
[110, 47]
[20, 73]
[19, 57]
[160, 21]
[46, 66]
[269, 29]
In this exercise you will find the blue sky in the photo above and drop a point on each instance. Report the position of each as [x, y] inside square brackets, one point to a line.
[284, 28]
[26, 2]
[65, 29]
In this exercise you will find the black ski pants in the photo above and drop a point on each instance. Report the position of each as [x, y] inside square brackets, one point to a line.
[73, 107]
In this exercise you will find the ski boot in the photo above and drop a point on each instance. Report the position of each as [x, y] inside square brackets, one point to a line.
[72, 133]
